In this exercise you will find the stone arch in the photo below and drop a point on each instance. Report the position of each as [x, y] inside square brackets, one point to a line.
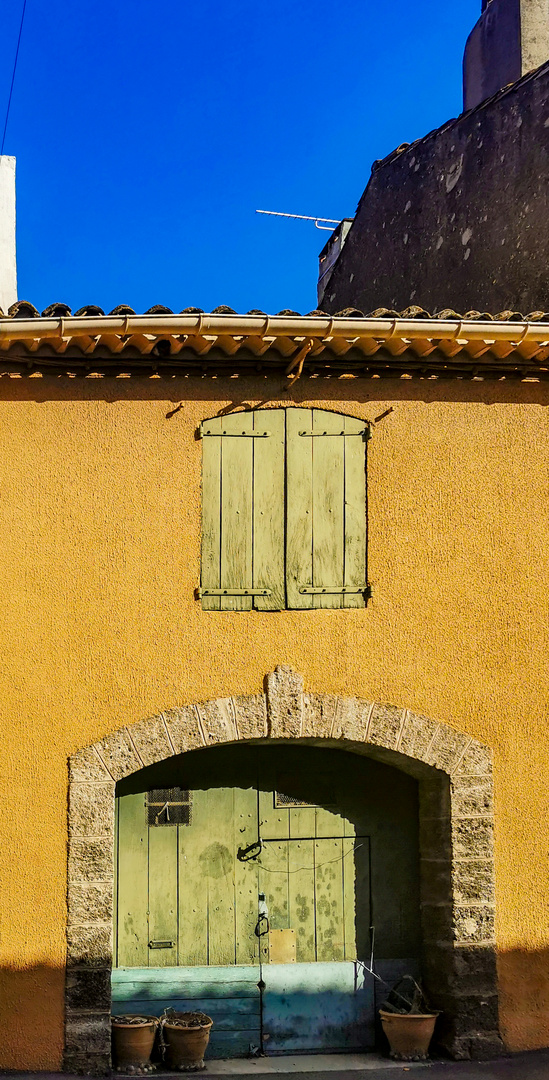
[454, 773]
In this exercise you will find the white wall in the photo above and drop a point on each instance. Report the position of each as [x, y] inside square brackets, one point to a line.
[8, 266]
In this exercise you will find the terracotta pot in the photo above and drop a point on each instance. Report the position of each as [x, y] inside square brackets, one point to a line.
[132, 1043]
[409, 1034]
[186, 1036]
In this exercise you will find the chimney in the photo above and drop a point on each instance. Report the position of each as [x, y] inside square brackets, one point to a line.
[8, 267]
[510, 39]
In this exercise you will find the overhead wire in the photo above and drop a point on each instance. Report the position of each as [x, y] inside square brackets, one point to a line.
[13, 75]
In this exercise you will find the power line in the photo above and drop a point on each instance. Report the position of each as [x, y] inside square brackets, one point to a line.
[13, 75]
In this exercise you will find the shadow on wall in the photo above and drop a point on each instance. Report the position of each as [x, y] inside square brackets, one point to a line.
[32, 1004]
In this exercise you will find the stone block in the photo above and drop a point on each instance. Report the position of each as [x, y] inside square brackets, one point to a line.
[434, 797]
[284, 691]
[87, 766]
[472, 796]
[435, 881]
[91, 809]
[184, 728]
[117, 752]
[476, 761]
[88, 988]
[473, 882]
[474, 970]
[87, 1064]
[91, 860]
[385, 724]
[218, 721]
[446, 748]
[435, 838]
[486, 1047]
[470, 1014]
[437, 923]
[473, 838]
[318, 715]
[416, 736]
[352, 719]
[90, 903]
[250, 716]
[474, 924]
[89, 946]
[88, 1033]
[150, 740]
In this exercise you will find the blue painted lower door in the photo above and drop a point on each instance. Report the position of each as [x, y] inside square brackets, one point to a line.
[317, 1006]
[230, 995]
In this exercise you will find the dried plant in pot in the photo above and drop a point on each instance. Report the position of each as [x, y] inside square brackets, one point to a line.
[184, 1038]
[132, 1043]
[407, 1021]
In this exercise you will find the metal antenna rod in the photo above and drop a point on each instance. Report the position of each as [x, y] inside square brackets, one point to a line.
[303, 217]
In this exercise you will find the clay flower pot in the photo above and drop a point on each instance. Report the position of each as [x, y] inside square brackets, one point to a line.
[185, 1036]
[409, 1034]
[132, 1043]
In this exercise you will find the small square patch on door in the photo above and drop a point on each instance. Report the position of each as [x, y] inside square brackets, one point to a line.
[282, 946]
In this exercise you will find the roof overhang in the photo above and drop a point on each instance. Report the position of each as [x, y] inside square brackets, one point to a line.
[359, 346]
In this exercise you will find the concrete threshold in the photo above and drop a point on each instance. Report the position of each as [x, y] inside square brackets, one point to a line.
[306, 1063]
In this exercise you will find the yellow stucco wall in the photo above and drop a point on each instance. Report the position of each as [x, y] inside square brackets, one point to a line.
[99, 559]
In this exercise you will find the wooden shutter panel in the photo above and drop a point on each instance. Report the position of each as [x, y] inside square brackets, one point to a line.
[326, 509]
[243, 511]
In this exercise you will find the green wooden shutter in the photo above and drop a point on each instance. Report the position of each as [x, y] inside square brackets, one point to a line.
[326, 509]
[284, 510]
[243, 512]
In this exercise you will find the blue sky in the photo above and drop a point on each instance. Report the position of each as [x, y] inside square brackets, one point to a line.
[147, 134]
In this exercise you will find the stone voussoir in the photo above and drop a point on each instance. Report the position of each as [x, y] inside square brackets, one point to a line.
[386, 722]
[284, 691]
[183, 728]
[319, 712]
[150, 739]
[250, 715]
[416, 736]
[218, 721]
[447, 748]
[119, 754]
[86, 766]
[352, 719]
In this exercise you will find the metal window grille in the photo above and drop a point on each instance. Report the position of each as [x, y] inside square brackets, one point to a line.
[169, 806]
[281, 800]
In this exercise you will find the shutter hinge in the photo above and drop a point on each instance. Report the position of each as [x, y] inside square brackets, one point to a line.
[201, 434]
[231, 592]
[315, 590]
[366, 433]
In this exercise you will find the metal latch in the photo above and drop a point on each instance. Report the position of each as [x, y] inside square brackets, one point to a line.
[161, 944]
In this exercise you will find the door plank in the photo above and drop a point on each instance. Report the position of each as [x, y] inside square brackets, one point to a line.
[236, 510]
[217, 862]
[328, 496]
[246, 876]
[329, 900]
[301, 897]
[133, 854]
[268, 509]
[299, 507]
[355, 512]
[193, 907]
[163, 913]
[210, 575]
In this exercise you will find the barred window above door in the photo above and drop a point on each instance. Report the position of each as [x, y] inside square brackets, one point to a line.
[284, 511]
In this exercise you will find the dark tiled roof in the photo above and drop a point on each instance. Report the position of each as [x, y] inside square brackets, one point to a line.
[22, 309]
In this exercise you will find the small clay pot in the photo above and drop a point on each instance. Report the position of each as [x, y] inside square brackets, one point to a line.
[409, 1034]
[132, 1043]
[186, 1036]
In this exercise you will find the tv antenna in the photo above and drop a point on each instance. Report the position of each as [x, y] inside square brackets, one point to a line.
[303, 217]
